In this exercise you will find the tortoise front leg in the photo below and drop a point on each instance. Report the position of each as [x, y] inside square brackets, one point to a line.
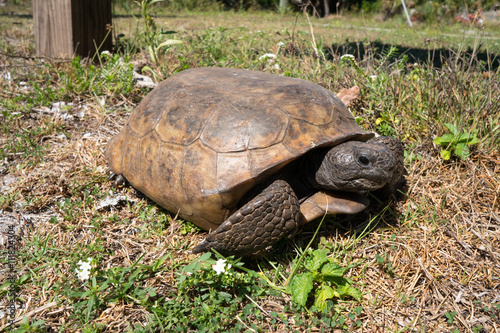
[331, 203]
[271, 215]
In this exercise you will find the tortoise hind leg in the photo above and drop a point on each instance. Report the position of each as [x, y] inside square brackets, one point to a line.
[271, 215]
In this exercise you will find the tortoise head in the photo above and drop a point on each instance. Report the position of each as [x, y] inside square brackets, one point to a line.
[355, 166]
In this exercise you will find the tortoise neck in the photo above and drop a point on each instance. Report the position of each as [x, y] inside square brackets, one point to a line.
[309, 165]
[301, 174]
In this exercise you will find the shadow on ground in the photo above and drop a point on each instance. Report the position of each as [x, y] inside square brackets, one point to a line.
[433, 57]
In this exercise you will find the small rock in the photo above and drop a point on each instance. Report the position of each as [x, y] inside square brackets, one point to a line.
[7, 182]
[143, 80]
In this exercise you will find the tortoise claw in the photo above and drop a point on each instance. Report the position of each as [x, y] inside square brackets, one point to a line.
[111, 176]
[202, 246]
[120, 180]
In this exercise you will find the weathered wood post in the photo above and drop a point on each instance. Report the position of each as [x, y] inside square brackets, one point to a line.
[64, 28]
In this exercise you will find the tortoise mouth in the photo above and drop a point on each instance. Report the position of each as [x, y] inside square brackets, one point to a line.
[365, 185]
[357, 185]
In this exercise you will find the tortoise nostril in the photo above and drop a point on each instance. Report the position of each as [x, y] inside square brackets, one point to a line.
[363, 160]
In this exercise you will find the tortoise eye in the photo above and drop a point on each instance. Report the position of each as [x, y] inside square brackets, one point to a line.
[363, 160]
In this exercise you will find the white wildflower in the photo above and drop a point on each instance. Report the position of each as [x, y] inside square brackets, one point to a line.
[86, 264]
[267, 56]
[83, 275]
[373, 77]
[280, 44]
[276, 66]
[221, 266]
[83, 271]
[347, 56]
[57, 107]
[105, 53]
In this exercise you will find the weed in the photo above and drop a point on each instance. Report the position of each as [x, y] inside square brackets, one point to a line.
[114, 75]
[450, 316]
[154, 39]
[456, 142]
[28, 143]
[109, 286]
[385, 264]
[9, 199]
[210, 294]
[26, 326]
[326, 277]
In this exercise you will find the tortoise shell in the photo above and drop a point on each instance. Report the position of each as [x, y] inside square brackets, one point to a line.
[204, 137]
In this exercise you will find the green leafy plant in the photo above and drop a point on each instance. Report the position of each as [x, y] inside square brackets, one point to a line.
[349, 60]
[493, 311]
[450, 316]
[386, 122]
[26, 326]
[457, 142]
[477, 329]
[26, 143]
[324, 278]
[153, 38]
[384, 264]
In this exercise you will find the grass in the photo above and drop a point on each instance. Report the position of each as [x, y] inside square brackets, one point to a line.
[428, 262]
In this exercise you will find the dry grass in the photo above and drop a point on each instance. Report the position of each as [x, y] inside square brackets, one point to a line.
[445, 256]
[440, 256]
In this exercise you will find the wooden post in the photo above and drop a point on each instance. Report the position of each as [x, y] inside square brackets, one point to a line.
[64, 28]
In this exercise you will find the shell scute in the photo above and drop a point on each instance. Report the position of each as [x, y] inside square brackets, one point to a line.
[114, 152]
[184, 119]
[148, 152]
[131, 162]
[305, 101]
[240, 125]
[232, 168]
[303, 136]
[168, 175]
[152, 107]
[261, 159]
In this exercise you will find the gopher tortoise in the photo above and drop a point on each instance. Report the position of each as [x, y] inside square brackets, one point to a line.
[250, 156]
